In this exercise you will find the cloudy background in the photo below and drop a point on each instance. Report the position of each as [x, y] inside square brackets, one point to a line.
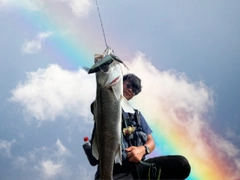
[186, 53]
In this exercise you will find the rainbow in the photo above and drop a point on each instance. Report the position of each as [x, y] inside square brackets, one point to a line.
[177, 142]
[71, 49]
[76, 49]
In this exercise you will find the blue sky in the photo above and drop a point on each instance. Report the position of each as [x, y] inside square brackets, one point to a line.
[44, 112]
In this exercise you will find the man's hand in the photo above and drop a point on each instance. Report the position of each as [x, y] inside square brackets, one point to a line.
[135, 153]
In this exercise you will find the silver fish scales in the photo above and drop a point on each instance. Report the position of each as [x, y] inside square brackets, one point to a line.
[107, 113]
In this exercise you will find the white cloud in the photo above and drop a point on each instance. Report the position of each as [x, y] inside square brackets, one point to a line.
[231, 134]
[169, 97]
[79, 8]
[25, 4]
[35, 45]
[174, 103]
[20, 161]
[45, 162]
[5, 147]
[62, 150]
[3, 3]
[52, 92]
[51, 169]
[85, 173]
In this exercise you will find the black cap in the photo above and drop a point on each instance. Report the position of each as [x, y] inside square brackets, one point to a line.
[135, 82]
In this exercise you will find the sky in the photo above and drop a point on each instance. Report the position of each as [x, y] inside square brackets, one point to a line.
[185, 52]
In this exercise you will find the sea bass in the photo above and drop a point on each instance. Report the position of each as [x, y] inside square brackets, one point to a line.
[107, 112]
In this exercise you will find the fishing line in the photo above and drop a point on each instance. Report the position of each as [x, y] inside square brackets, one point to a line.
[101, 25]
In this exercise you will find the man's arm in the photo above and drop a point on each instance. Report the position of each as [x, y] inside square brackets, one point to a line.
[135, 154]
[150, 143]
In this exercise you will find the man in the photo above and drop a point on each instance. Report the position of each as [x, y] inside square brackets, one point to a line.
[138, 142]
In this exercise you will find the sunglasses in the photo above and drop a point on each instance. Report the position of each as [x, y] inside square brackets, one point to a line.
[134, 90]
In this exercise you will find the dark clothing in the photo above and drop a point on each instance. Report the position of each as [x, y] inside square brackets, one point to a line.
[167, 167]
[163, 167]
[145, 127]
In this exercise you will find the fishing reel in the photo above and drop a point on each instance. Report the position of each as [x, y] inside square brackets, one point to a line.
[128, 130]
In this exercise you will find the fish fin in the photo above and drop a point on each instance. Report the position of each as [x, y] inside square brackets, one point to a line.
[94, 111]
[125, 66]
[116, 93]
[95, 148]
[127, 106]
[119, 60]
[118, 156]
[116, 58]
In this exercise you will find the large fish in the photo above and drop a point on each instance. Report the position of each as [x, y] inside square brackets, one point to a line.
[107, 112]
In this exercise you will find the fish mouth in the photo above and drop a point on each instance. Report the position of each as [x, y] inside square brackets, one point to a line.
[115, 80]
[101, 65]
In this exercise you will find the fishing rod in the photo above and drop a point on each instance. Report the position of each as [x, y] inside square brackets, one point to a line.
[100, 18]
[108, 49]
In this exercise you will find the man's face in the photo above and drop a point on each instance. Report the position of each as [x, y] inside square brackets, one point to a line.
[127, 90]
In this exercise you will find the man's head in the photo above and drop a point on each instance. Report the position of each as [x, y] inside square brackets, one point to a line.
[131, 86]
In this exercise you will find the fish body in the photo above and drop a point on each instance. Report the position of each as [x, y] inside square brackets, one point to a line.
[107, 114]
